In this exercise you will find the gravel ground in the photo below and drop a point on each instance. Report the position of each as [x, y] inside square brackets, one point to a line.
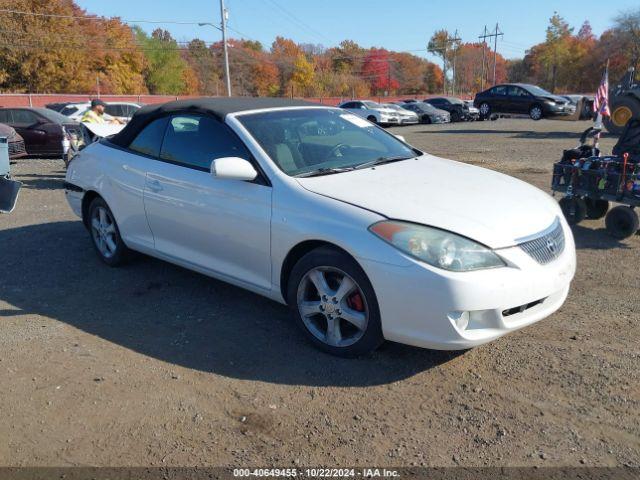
[155, 365]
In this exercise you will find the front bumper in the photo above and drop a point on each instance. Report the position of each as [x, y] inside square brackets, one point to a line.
[409, 120]
[561, 110]
[419, 304]
[384, 120]
[17, 149]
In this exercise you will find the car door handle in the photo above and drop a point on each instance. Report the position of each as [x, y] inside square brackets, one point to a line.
[154, 186]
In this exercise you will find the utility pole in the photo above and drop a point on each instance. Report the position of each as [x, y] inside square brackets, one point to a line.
[445, 48]
[223, 14]
[495, 36]
[454, 41]
[484, 55]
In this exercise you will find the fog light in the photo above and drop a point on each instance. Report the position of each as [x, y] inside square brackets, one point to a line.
[460, 319]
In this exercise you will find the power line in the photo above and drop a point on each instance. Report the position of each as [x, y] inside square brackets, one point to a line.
[92, 18]
[299, 22]
[495, 36]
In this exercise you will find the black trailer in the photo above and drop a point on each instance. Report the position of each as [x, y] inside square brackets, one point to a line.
[590, 183]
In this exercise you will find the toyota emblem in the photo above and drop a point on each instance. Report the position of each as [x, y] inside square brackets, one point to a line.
[551, 246]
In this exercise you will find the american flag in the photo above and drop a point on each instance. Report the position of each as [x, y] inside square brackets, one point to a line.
[601, 102]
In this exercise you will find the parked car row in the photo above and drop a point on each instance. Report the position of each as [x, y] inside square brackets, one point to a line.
[412, 111]
[122, 111]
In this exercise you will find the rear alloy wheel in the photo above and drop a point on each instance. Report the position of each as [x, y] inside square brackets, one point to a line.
[622, 222]
[105, 234]
[596, 209]
[485, 110]
[574, 209]
[536, 112]
[334, 303]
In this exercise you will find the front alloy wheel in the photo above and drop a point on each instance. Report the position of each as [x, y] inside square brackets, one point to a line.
[334, 303]
[536, 112]
[105, 234]
[332, 306]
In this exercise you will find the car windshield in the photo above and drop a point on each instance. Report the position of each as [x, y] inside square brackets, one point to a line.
[371, 104]
[535, 90]
[320, 140]
[53, 116]
[426, 107]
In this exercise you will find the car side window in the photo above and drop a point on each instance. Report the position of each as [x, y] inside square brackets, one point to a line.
[149, 140]
[196, 140]
[500, 90]
[114, 110]
[348, 105]
[517, 92]
[24, 117]
[5, 116]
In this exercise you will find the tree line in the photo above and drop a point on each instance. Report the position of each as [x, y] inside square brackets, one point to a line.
[63, 49]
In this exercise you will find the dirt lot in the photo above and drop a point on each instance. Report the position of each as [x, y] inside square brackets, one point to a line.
[154, 365]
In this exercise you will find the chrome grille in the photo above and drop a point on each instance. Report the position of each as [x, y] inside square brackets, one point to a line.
[547, 245]
[17, 148]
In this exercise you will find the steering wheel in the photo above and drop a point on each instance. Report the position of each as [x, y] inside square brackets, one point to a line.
[336, 149]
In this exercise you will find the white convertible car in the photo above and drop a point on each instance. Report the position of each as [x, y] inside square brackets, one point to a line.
[365, 237]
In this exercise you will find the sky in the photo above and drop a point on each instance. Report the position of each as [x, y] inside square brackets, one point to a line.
[401, 25]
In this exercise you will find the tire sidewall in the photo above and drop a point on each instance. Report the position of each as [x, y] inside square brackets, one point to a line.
[487, 114]
[330, 257]
[536, 107]
[121, 249]
[626, 215]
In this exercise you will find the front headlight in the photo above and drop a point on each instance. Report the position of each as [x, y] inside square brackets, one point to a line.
[437, 247]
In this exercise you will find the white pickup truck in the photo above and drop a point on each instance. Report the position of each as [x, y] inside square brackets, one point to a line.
[372, 111]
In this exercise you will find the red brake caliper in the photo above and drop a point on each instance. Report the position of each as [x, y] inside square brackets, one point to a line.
[355, 302]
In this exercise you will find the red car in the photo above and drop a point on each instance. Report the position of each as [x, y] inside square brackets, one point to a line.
[45, 132]
[16, 143]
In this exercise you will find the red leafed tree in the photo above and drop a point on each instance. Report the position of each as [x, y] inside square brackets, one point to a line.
[377, 70]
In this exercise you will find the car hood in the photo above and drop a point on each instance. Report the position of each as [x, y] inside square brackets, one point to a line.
[440, 112]
[486, 206]
[388, 111]
[556, 98]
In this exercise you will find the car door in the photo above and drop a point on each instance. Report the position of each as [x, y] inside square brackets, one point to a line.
[222, 227]
[499, 99]
[32, 129]
[518, 99]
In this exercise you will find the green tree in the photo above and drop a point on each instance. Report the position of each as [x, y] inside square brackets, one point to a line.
[165, 72]
[557, 47]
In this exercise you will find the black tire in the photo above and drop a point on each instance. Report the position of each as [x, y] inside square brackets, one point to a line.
[622, 109]
[536, 112]
[574, 209]
[426, 119]
[372, 119]
[455, 116]
[333, 258]
[120, 253]
[596, 209]
[622, 222]
[485, 110]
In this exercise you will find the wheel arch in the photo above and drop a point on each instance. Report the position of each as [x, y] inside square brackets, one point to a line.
[89, 196]
[299, 251]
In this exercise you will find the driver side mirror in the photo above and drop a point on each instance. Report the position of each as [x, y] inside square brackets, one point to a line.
[233, 168]
[401, 138]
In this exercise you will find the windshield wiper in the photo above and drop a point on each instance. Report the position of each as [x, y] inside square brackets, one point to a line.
[323, 171]
[381, 161]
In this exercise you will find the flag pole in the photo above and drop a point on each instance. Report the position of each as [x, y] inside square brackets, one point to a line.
[598, 123]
